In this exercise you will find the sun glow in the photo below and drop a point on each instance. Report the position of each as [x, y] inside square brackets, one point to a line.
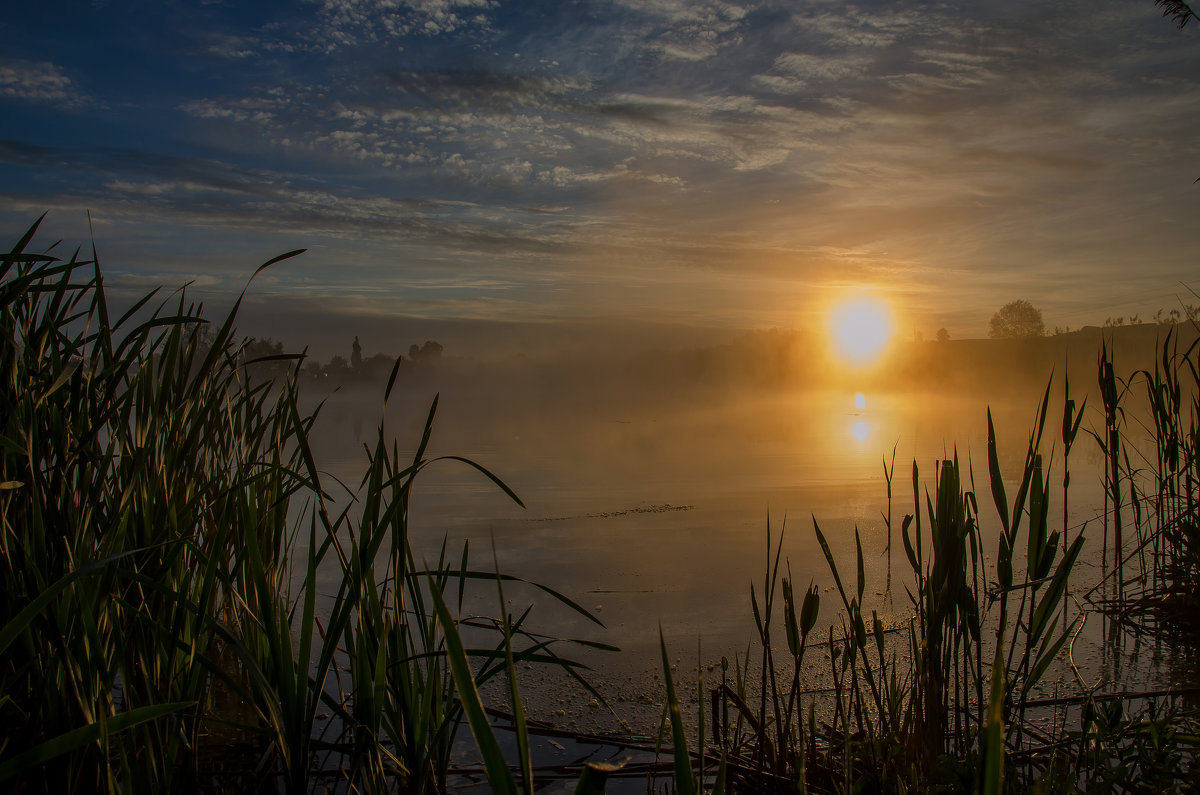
[861, 328]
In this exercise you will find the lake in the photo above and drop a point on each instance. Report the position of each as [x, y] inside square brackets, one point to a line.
[654, 514]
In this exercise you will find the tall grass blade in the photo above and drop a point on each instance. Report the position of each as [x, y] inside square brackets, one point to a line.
[86, 735]
[500, 778]
[685, 782]
[992, 778]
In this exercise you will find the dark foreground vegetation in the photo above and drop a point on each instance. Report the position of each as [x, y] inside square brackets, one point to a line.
[163, 523]
[162, 628]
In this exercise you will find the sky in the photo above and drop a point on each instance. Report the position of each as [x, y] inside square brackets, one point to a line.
[540, 164]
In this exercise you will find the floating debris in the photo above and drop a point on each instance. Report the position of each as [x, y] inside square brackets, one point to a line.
[663, 508]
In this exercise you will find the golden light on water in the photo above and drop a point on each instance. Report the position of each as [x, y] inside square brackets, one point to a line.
[861, 328]
[860, 430]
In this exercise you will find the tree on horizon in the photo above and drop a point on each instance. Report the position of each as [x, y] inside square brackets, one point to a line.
[1017, 320]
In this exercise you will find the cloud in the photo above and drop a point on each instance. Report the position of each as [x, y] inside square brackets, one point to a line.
[484, 128]
[262, 109]
[231, 47]
[563, 177]
[688, 30]
[795, 71]
[839, 28]
[72, 164]
[351, 22]
[204, 194]
[480, 89]
[38, 81]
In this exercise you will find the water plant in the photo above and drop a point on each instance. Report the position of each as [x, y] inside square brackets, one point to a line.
[1170, 580]
[162, 523]
[944, 707]
[139, 469]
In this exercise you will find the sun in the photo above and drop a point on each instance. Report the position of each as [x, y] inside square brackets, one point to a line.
[861, 328]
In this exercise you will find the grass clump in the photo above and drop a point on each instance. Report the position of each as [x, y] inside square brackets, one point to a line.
[952, 699]
[141, 472]
[162, 521]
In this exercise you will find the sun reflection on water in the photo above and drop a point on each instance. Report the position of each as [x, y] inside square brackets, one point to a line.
[860, 430]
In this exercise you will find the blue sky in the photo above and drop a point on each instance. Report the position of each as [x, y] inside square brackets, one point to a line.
[700, 163]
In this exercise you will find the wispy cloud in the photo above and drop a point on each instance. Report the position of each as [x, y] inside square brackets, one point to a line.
[689, 30]
[38, 81]
[349, 22]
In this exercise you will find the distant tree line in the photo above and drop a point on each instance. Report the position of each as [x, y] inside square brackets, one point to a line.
[260, 357]
[429, 352]
[1022, 320]
[1160, 318]
[339, 369]
[268, 358]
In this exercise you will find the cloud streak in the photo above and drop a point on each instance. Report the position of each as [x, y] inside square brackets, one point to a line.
[38, 81]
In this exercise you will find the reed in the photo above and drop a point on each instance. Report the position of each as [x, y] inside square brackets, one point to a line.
[946, 701]
[162, 522]
[942, 707]
[1162, 587]
[951, 706]
[152, 465]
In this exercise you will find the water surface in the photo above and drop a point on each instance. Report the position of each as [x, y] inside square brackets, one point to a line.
[655, 514]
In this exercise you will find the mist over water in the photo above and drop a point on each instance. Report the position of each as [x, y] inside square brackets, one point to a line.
[649, 482]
